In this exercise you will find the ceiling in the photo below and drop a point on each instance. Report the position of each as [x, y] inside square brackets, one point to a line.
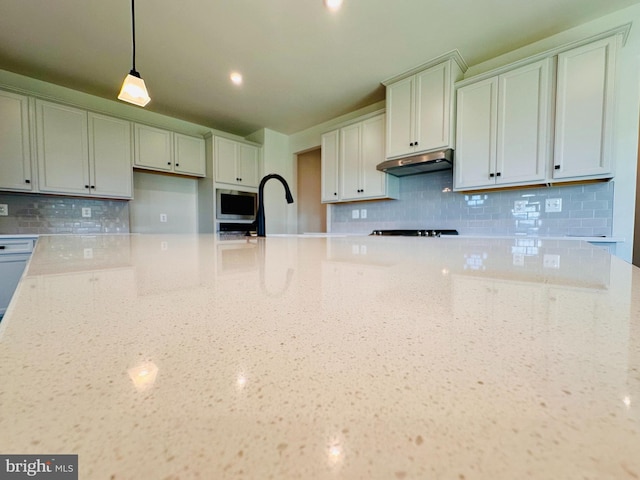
[302, 65]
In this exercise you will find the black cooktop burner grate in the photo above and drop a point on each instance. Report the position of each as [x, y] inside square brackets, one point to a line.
[415, 233]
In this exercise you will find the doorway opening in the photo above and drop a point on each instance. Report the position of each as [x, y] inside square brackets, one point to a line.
[312, 214]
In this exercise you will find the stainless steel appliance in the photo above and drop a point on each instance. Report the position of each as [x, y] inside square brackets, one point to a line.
[236, 205]
[425, 163]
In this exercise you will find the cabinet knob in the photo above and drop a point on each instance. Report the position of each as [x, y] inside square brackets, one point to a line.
[411, 144]
[93, 187]
[335, 193]
[415, 144]
[27, 181]
[557, 167]
[491, 175]
[177, 164]
[498, 174]
[168, 163]
[86, 186]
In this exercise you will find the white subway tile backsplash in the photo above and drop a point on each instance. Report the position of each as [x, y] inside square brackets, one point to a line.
[426, 201]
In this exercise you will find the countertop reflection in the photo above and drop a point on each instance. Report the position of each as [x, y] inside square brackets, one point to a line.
[200, 356]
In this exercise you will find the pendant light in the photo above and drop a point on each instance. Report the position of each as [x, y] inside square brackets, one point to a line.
[133, 88]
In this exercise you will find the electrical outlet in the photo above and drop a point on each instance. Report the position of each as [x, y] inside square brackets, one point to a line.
[355, 214]
[88, 253]
[363, 213]
[4, 210]
[553, 205]
[551, 261]
[163, 217]
[86, 212]
[520, 206]
[164, 246]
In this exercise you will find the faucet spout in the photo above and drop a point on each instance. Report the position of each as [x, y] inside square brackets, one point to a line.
[261, 225]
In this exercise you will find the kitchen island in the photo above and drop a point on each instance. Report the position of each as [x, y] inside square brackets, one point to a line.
[180, 357]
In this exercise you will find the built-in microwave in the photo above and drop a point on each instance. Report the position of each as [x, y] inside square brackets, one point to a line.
[236, 205]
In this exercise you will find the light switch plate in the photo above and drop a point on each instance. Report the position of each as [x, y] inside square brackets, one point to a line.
[355, 214]
[4, 209]
[86, 212]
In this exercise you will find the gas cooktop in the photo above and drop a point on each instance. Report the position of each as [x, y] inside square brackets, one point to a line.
[415, 233]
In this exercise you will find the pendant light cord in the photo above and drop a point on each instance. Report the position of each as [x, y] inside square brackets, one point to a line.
[133, 37]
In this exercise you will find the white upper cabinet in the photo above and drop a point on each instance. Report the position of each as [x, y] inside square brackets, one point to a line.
[349, 159]
[330, 153]
[503, 129]
[153, 148]
[584, 111]
[236, 163]
[506, 131]
[63, 149]
[189, 155]
[81, 153]
[110, 154]
[166, 151]
[15, 151]
[419, 108]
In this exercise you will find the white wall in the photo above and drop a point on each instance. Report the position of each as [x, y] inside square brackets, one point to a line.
[156, 194]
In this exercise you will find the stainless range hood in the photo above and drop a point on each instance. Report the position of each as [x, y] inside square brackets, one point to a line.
[425, 163]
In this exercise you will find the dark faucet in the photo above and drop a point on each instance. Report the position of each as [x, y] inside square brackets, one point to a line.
[260, 220]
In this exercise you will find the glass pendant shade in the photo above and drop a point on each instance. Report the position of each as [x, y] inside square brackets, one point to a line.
[134, 90]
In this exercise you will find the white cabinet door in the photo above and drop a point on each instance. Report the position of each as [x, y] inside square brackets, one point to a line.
[373, 181]
[476, 129]
[248, 165]
[224, 157]
[350, 168]
[236, 163]
[330, 153]
[110, 155]
[584, 111]
[15, 152]
[400, 112]
[153, 148]
[433, 105]
[63, 165]
[189, 156]
[523, 125]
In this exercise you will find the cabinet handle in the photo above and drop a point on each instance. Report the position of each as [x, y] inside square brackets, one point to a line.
[27, 181]
[498, 174]
[491, 175]
[557, 167]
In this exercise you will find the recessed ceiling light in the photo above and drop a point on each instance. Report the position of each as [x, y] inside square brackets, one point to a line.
[333, 5]
[236, 78]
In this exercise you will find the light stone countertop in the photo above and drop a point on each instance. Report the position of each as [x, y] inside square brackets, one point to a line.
[183, 357]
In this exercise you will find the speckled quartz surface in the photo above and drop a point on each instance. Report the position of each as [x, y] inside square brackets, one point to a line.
[184, 357]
